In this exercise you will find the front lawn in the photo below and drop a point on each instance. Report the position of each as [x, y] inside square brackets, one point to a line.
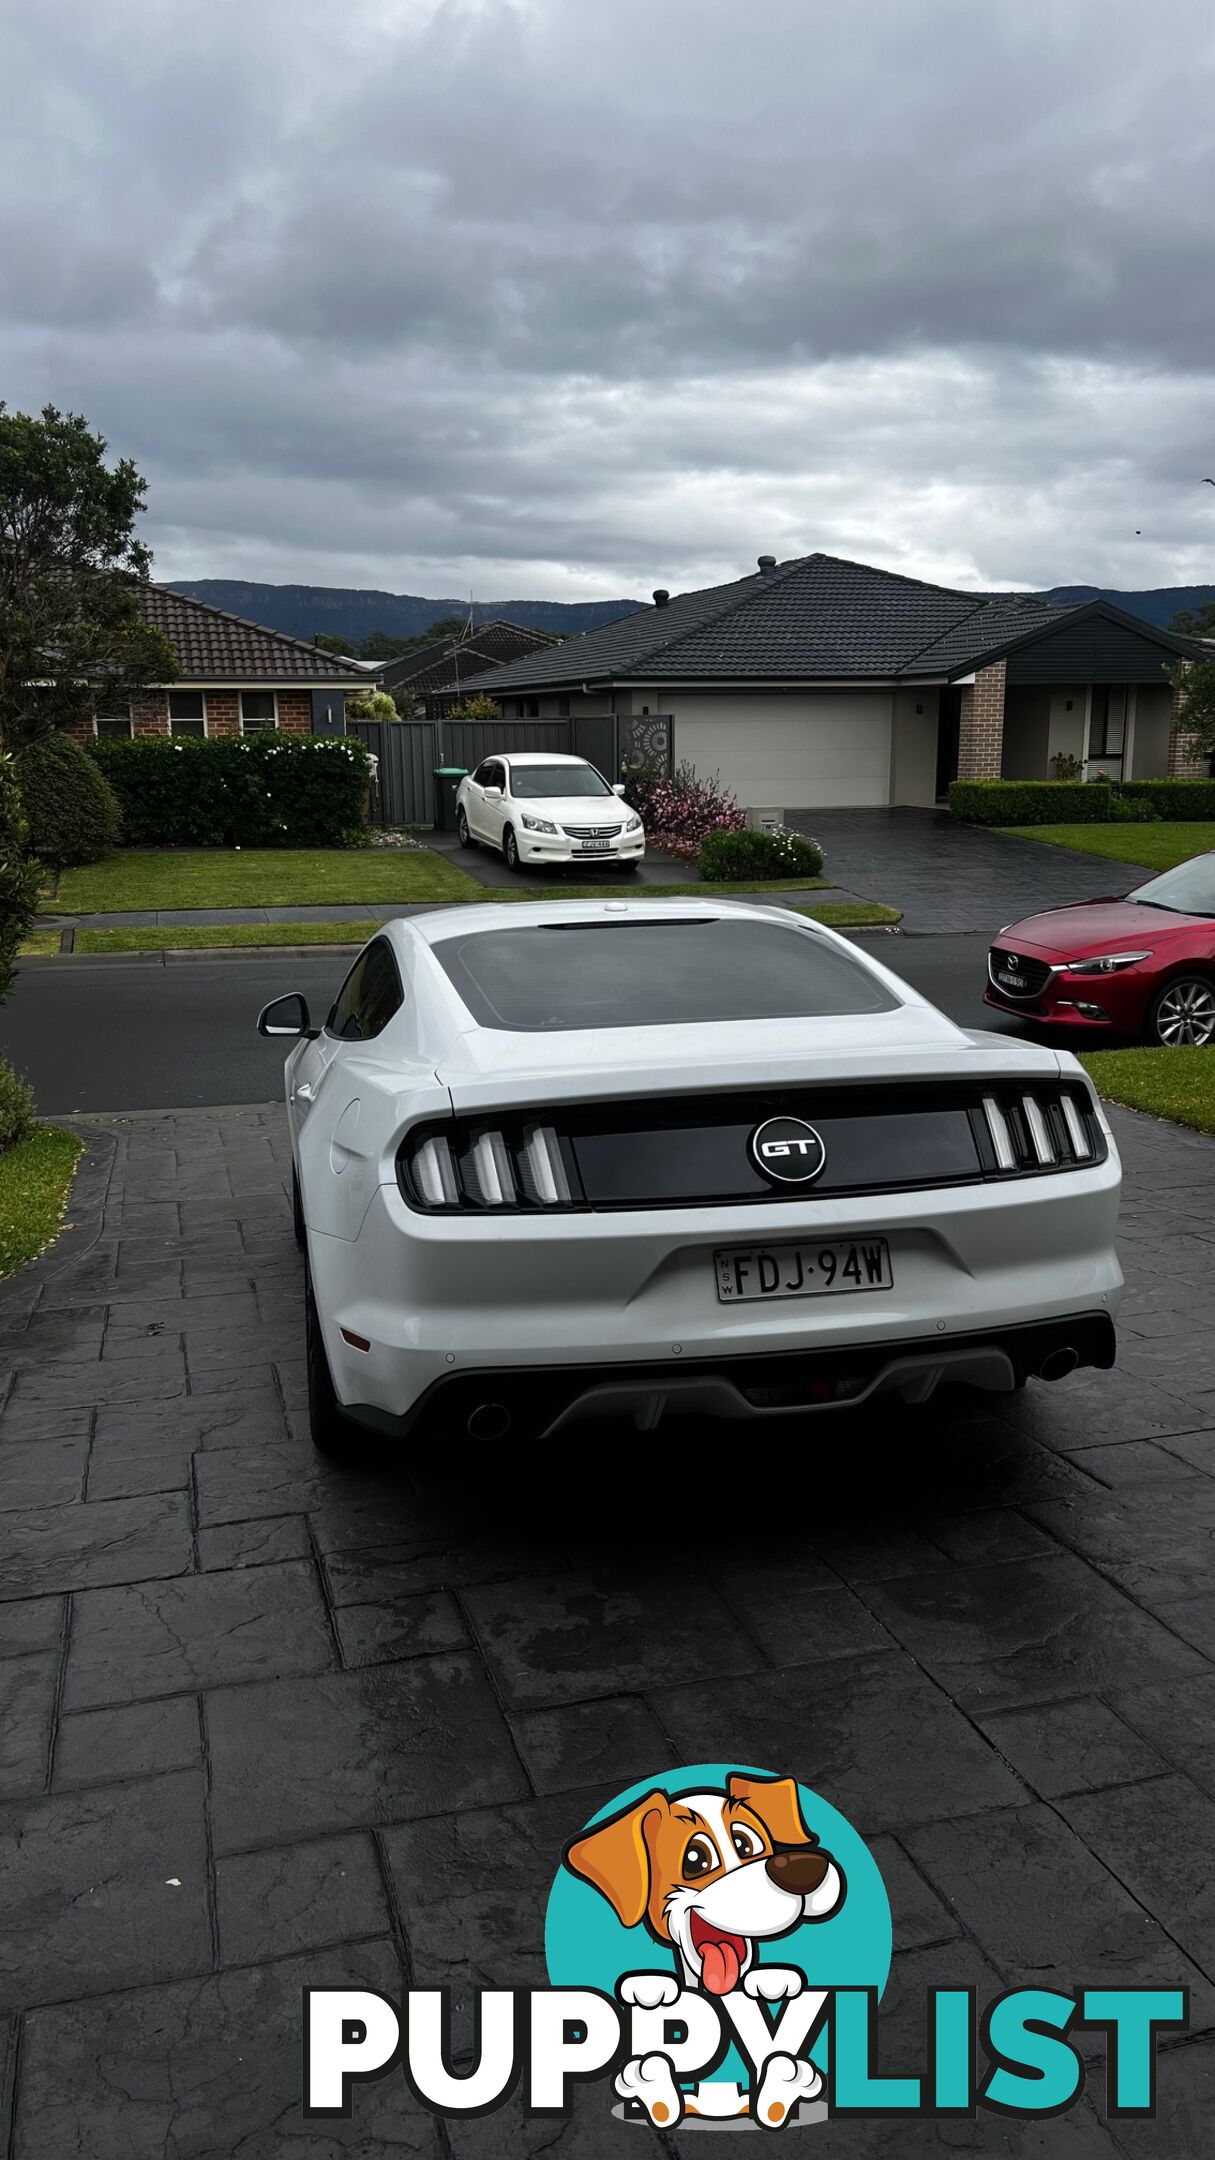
[1157, 847]
[136, 880]
[1177, 1084]
[196, 937]
[35, 1178]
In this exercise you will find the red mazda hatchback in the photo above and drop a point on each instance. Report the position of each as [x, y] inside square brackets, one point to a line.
[1143, 965]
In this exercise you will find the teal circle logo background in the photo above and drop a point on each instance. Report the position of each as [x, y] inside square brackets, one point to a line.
[585, 1944]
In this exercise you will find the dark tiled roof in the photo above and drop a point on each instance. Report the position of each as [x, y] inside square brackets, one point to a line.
[817, 618]
[212, 647]
[491, 644]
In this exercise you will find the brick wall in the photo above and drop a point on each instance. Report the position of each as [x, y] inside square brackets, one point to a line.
[150, 713]
[1185, 762]
[981, 733]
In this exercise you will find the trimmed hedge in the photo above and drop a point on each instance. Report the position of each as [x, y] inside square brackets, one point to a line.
[264, 790]
[1079, 802]
[783, 856]
[70, 805]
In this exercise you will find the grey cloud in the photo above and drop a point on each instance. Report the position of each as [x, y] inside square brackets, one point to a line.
[626, 292]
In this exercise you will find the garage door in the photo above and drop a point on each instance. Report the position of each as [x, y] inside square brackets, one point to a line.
[795, 757]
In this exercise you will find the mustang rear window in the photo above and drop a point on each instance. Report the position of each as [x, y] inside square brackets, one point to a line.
[556, 977]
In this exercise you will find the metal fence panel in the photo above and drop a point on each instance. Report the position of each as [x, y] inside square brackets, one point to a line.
[466, 742]
[409, 750]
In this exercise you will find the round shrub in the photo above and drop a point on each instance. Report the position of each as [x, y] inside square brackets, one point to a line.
[784, 857]
[16, 1107]
[71, 808]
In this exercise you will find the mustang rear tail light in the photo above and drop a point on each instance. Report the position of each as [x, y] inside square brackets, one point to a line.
[470, 1171]
[1045, 1130]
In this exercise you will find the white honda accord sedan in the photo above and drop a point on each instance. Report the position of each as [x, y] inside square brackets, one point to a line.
[568, 1159]
[537, 806]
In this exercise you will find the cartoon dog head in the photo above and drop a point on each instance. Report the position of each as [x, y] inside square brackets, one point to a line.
[712, 1872]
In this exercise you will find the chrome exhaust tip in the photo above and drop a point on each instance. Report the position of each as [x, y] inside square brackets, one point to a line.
[1058, 1365]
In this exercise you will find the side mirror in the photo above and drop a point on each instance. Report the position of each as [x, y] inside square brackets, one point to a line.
[492, 794]
[286, 1016]
[619, 788]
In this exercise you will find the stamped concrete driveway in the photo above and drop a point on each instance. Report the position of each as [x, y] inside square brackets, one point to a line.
[947, 876]
[268, 1723]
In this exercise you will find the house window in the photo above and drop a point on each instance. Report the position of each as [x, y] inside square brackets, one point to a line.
[533, 708]
[258, 710]
[563, 708]
[113, 724]
[518, 708]
[1107, 729]
[187, 712]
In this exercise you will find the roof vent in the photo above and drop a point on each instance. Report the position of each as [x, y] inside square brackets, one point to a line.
[661, 596]
[767, 562]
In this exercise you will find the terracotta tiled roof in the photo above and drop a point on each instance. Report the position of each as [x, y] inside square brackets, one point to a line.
[212, 647]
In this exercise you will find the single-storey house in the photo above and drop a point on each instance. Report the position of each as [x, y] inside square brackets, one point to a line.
[821, 682]
[235, 678]
[441, 675]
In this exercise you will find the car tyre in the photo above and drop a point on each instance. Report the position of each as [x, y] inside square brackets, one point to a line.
[334, 1435]
[510, 849]
[463, 834]
[297, 1210]
[1182, 1013]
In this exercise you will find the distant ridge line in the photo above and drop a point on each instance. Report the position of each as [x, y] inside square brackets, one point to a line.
[354, 612]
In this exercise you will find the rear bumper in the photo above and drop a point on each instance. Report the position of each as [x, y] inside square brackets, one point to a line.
[438, 1298]
[489, 1403]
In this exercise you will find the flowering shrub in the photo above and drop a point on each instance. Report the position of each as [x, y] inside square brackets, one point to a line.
[679, 810]
[263, 790]
[780, 856]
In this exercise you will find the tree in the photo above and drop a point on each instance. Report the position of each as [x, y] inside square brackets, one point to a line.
[476, 708]
[326, 642]
[1194, 684]
[71, 625]
[371, 705]
[1195, 622]
[20, 876]
[382, 645]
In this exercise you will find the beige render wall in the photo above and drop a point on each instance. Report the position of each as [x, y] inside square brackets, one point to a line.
[913, 760]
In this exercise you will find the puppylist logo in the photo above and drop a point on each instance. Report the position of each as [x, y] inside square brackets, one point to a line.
[718, 1940]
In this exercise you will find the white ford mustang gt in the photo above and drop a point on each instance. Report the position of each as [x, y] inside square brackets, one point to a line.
[568, 1159]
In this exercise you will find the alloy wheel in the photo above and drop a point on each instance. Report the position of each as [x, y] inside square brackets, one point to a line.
[462, 832]
[1185, 1013]
[510, 848]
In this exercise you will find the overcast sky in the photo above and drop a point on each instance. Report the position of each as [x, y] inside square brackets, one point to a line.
[571, 298]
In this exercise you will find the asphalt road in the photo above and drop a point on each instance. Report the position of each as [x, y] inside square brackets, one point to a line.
[126, 1035]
